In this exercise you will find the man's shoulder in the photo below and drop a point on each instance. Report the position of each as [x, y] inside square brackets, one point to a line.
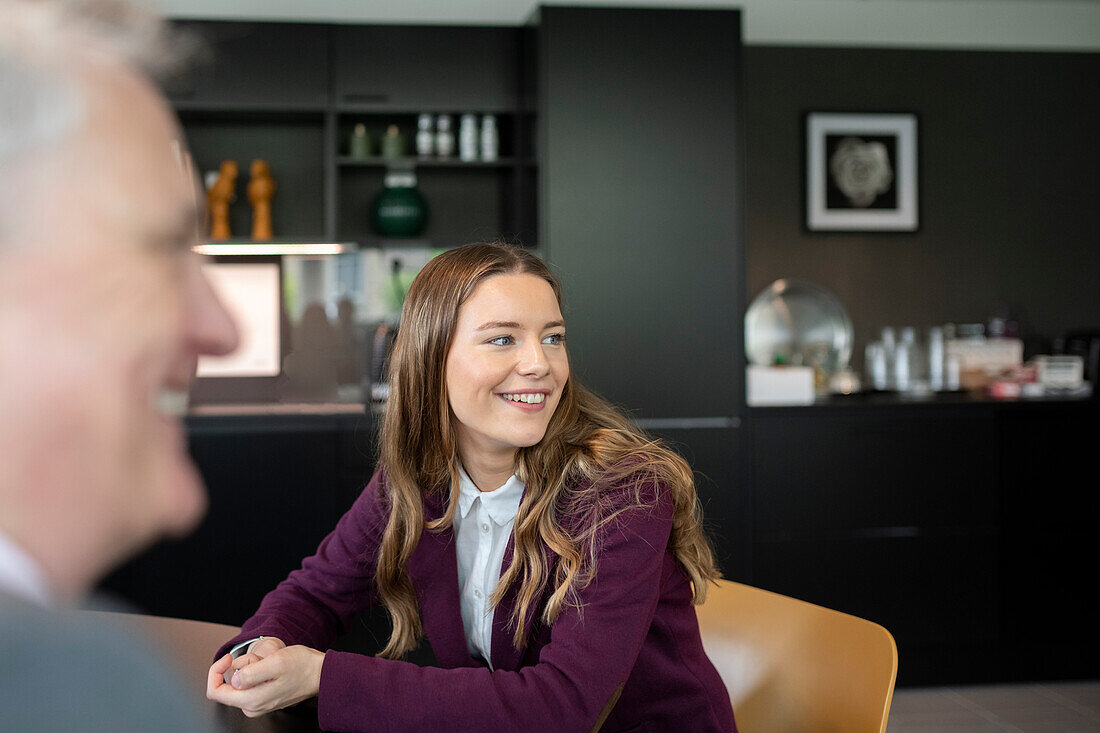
[62, 670]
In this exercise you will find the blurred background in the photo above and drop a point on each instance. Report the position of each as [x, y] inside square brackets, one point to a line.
[887, 419]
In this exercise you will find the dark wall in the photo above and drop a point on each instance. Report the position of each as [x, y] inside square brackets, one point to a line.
[1009, 164]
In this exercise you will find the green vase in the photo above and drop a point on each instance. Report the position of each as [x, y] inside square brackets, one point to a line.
[399, 210]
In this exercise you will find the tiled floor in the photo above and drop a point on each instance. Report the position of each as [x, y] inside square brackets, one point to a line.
[1065, 707]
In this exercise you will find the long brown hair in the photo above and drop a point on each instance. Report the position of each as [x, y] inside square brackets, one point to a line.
[588, 444]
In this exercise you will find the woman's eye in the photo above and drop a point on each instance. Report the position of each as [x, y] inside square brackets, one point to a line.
[502, 341]
[555, 339]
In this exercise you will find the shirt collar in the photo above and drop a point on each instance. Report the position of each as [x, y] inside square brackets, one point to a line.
[501, 504]
[20, 574]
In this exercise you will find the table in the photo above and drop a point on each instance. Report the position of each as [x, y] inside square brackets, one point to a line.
[191, 646]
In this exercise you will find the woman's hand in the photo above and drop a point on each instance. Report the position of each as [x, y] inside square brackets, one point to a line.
[270, 677]
[260, 649]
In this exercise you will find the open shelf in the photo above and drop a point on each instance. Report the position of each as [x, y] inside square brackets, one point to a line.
[407, 161]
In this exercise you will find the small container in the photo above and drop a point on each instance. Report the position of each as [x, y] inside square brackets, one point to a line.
[425, 137]
[970, 331]
[444, 137]
[952, 373]
[467, 138]
[490, 140]
[875, 365]
[1005, 390]
[359, 142]
[1062, 373]
[902, 373]
[1032, 389]
[917, 367]
[889, 355]
[393, 143]
[935, 358]
[399, 210]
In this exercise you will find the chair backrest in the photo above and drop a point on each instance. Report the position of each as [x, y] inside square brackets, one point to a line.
[793, 666]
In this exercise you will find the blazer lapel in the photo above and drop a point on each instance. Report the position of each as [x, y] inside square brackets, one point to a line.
[504, 653]
[433, 569]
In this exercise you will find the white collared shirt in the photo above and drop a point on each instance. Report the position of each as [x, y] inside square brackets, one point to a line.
[482, 525]
[20, 575]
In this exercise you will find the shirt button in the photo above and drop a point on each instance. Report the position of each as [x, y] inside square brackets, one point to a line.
[485, 527]
[477, 593]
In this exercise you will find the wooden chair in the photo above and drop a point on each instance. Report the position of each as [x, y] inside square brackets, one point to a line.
[793, 666]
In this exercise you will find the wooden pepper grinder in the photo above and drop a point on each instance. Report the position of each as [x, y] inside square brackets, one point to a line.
[218, 197]
[261, 188]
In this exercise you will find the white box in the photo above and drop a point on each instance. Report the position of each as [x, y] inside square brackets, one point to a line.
[994, 355]
[779, 385]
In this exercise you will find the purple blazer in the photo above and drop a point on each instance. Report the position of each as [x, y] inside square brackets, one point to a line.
[636, 631]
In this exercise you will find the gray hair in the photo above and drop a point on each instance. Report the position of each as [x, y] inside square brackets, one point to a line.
[45, 48]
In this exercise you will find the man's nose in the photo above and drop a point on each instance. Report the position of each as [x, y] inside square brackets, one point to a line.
[210, 328]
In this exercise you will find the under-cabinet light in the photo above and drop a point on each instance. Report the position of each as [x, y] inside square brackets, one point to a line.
[272, 248]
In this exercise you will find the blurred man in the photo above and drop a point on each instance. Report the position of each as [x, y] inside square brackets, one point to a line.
[103, 314]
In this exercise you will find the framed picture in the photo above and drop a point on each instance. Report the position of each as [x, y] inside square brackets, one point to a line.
[861, 172]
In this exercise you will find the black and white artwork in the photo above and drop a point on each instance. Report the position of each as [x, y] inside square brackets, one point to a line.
[861, 172]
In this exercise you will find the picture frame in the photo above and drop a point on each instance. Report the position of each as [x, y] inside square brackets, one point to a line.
[860, 172]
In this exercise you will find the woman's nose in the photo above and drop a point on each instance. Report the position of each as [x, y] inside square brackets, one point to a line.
[533, 360]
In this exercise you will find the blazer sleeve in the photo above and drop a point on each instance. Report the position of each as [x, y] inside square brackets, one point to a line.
[591, 653]
[317, 602]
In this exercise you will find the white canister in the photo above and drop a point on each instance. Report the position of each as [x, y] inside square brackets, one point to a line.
[425, 137]
[490, 140]
[444, 137]
[467, 138]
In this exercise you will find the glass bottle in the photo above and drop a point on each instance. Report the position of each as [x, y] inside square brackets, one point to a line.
[444, 137]
[359, 143]
[490, 140]
[425, 138]
[467, 138]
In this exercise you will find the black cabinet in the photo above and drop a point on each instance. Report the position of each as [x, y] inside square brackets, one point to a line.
[276, 66]
[716, 455]
[892, 517]
[965, 529]
[277, 486]
[875, 471]
[1050, 554]
[426, 68]
[640, 213]
[640, 202]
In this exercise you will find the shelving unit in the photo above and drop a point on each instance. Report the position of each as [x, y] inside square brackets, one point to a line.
[298, 114]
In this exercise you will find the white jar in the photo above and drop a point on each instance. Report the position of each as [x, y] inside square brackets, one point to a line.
[444, 137]
[490, 140]
[467, 138]
[425, 138]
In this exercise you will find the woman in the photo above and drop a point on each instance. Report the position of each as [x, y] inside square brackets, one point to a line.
[549, 551]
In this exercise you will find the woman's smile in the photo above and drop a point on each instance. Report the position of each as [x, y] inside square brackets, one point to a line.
[526, 400]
